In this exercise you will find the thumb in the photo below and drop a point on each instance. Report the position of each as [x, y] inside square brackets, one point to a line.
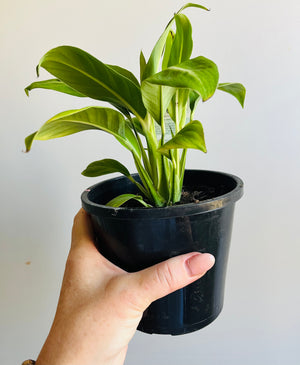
[159, 280]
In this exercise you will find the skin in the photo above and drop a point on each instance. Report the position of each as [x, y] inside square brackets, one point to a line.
[100, 305]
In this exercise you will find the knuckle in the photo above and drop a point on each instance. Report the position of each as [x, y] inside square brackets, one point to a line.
[77, 217]
[166, 277]
[128, 299]
[71, 262]
[75, 261]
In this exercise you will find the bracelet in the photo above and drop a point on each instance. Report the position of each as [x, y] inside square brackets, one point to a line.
[28, 362]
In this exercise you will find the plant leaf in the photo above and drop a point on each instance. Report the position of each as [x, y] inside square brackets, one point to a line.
[191, 136]
[194, 99]
[126, 73]
[153, 63]
[122, 199]
[199, 74]
[182, 45]
[156, 98]
[29, 140]
[129, 141]
[137, 125]
[108, 166]
[142, 65]
[89, 76]
[178, 105]
[193, 5]
[53, 84]
[154, 59]
[73, 121]
[167, 51]
[104, 167]
[235, 89]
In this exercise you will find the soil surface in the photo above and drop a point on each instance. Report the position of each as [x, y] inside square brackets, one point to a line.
[188, 196]
[196, 196]
[201, 193]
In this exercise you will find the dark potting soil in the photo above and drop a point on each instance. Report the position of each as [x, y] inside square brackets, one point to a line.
[196, 196]
[188, 195]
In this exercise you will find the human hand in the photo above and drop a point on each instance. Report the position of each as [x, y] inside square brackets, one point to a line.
[100, 305]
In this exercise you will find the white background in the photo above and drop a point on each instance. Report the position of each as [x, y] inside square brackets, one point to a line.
[254, 42]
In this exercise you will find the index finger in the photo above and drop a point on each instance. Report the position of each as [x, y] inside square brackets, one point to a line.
[83, 245]
[82, 231]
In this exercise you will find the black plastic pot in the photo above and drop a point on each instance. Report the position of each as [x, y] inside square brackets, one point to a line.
[136, 238]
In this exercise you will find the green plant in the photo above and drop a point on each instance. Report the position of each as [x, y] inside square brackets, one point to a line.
[153, 118]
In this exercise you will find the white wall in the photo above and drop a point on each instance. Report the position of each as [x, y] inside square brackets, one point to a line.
[254, 42]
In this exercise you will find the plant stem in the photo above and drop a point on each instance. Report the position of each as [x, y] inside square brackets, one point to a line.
[140, 187]
[152, 194]
[164, 183]
[182, 167]
[143, 153]
[152, 154]
[176, 162]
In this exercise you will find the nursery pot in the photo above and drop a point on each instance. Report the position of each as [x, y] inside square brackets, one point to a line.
[136, 238]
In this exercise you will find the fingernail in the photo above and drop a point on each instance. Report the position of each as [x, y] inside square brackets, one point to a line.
[199, 263]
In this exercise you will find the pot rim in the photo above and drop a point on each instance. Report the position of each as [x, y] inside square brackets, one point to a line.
[164, 212]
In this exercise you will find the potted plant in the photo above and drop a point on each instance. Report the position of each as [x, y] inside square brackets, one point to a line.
[163, 210]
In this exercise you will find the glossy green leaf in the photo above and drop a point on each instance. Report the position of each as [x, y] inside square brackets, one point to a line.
[154, 59]
[235, 89]
[191, 136]
[142, 65]
[73, 121]
[177, 107]
[194, 99]
[199, 74]
[129, 141]
[122, 199]
[193, 5]
[181, 50]
[53, 84]
[167, 51]
[182, 45]
[109, 166]
[126, 73]
[136, 124]
[29, 140]
[91, 77]
[156, 98]
[104, 167]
